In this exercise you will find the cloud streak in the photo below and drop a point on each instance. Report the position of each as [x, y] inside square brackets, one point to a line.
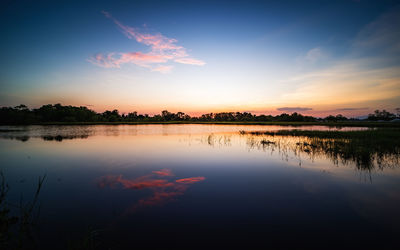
[162, 50]
[293, 109]
[383, 34]
[350, 109]
[314, 55]
[368, 73]
[163, 68]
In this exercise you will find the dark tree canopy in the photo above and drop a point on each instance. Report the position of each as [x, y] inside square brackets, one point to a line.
[381, 116]
[21, 114]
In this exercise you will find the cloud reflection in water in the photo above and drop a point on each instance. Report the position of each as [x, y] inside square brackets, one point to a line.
[164, 190]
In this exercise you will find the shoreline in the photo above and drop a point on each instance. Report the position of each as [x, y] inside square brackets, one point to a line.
[328, 124]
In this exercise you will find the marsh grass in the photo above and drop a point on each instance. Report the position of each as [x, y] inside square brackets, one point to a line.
[368, 149]
[16, 231]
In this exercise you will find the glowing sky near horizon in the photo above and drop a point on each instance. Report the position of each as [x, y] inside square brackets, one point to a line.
[313, 57]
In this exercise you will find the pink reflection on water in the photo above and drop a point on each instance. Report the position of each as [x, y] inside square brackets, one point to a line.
[164, 172]
[163, 190]
[190, 180]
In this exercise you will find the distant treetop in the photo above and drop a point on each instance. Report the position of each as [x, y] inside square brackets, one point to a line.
[21, 114]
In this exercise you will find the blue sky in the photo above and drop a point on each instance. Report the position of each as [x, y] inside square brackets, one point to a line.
[197, 56]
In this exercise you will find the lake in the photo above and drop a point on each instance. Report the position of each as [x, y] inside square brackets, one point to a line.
[199, 186]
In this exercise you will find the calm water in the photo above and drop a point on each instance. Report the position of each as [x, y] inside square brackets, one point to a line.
[201, 186]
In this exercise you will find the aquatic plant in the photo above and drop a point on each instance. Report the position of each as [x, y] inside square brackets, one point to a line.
[367, 149]
[16, 230]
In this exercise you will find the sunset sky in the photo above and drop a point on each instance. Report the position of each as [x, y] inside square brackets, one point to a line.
[314, 57]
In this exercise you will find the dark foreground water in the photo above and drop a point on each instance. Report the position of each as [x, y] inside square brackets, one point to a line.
[198, 186]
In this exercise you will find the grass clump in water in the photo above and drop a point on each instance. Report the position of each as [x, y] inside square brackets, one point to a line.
[366, 148]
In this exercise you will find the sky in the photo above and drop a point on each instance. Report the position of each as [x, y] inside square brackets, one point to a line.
[265, 57]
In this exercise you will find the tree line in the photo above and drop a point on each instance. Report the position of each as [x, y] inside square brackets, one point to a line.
[21, 114]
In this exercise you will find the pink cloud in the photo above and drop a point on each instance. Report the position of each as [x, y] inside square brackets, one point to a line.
[163, 49]
[156, 42]
[113, 60]
[188, 60]
[106, 61]
[163, 68]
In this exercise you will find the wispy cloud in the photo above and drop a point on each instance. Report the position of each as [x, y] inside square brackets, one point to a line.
[350, 109]
[113, 60]
[163, 68]
[293, 109]
[191, 61]
[346, 83]
[369, 72]
[314, 55]
[382, 34]
[162, 50]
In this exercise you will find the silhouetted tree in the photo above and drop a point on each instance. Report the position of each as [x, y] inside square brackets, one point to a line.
[336, 118]
[21, 114]
[381, 115]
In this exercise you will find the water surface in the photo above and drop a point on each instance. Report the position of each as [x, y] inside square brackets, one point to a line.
[139, 186]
